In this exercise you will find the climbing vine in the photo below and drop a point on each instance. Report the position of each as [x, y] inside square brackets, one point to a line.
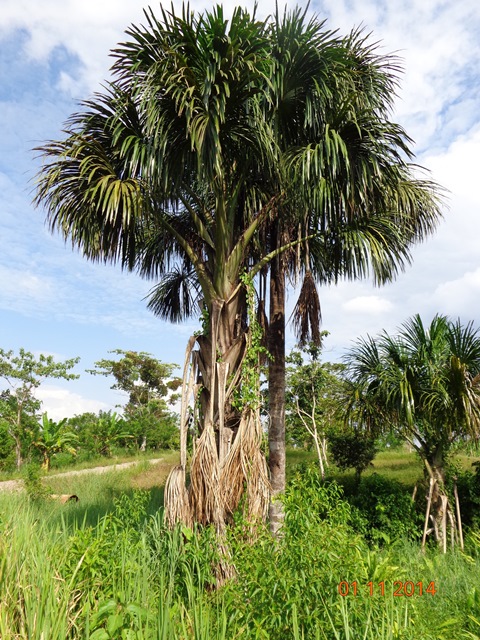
[248, 393]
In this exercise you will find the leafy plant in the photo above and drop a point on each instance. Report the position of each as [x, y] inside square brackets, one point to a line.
[352, 450]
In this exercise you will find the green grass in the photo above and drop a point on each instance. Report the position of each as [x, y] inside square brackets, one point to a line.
[399, 463]
[106, 568]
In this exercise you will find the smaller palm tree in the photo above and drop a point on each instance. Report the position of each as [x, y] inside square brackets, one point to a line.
[425, 384]
[53, 438]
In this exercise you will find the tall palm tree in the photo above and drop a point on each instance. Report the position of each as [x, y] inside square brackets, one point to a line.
[358, 206]
[157, 173]
[425, 384]
[177, 170]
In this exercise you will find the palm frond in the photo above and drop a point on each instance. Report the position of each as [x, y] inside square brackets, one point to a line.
[177, 296]
[307, 315]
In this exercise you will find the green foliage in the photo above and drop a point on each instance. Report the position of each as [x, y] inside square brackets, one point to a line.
[128, 577]
[248, 392]
[150, 387]
[110, 429]
[7, 448]
[311, 384]
[34, 486]
[387, 512]
[140, 375]
[424, 383]
[52, 438]
[22, 374]
[468, 483]
[352, 450]
[153, 426]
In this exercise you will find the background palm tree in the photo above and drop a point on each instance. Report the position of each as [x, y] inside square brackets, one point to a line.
[180, 170]
[425, 384]
[358, 204]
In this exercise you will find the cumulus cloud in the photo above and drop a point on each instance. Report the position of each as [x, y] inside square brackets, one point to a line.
[369, 305]
[61, 403]
[460, 297]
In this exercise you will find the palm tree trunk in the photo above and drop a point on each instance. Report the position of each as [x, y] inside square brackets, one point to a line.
[227, 462]
[438, 509]
[276, 392]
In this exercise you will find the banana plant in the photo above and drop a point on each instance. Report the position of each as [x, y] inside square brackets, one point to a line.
[53, 438]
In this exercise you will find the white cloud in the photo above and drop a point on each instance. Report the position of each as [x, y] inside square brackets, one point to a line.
[23, 289]
[457, 167]
[460, 297]
[368, 305]
[61, 403]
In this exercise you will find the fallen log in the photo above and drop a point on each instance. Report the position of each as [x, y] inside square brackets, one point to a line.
[65, 497]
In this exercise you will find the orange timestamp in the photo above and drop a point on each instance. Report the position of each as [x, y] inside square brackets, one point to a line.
[399, 588]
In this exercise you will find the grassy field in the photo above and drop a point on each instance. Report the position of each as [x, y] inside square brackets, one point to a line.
[65, 462]
[106, 567]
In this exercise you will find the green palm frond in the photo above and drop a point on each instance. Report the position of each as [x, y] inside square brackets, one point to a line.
[177, 296]
[426, 377]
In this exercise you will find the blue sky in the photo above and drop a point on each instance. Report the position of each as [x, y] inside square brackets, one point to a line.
[55, 53]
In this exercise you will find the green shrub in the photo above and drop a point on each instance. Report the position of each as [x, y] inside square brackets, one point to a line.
[352, 450]
[386, 510]
[34, 486]
[468, 484]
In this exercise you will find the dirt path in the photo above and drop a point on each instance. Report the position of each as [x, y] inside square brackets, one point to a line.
[17, 485]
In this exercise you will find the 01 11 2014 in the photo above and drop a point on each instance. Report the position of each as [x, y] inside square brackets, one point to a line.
[400, 588]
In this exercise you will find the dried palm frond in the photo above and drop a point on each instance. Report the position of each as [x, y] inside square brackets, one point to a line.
[177, 505]
[204, 489]
[245, 471]
[187, 389]
[307, 314]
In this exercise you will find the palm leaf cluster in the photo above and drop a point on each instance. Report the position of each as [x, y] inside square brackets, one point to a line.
[220, 145]
[424, 382]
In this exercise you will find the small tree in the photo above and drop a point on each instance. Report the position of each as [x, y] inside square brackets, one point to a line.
[150, 386]
[311, 399]
[425, 384]
[352, 450]
[23, 374]
[109, 430]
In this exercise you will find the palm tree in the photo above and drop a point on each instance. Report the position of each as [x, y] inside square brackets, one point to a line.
[359, 206]
[157, 173]
[176, 170]
[425, 384]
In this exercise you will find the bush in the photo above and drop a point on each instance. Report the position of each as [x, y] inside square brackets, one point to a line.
[386, 509]
[468, 484]
[351, 450]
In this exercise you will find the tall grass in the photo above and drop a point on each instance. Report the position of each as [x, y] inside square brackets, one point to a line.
[66, 576]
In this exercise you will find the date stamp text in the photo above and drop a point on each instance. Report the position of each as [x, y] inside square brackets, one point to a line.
[398, 588]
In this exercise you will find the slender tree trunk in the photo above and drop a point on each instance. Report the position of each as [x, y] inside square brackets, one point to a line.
[439, 511]
[16, 431]
[276, 392]
[18, 452]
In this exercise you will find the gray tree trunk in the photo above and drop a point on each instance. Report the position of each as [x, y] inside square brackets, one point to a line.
[276, 392]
